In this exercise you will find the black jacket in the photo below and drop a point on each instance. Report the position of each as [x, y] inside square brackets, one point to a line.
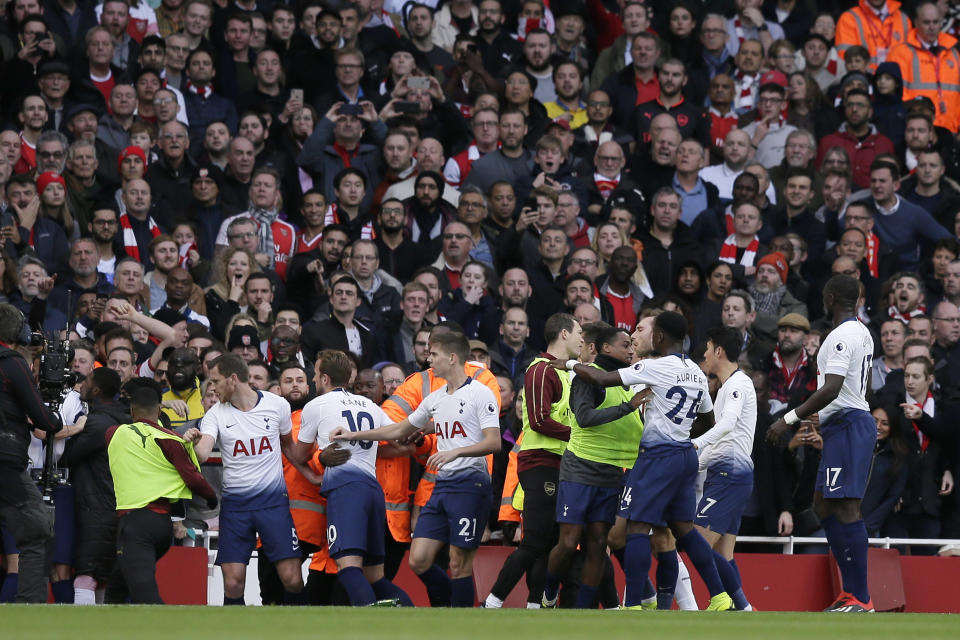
[884, 488]
[86, 456]
[331, 334]
[662, 263]
[19, 400]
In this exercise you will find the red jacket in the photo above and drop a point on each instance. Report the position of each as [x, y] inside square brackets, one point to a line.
[862, 154]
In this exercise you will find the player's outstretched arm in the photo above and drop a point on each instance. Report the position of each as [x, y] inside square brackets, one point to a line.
[591, 374]
[832, 383]
[489, 444]
[202, 443]
[389, 432]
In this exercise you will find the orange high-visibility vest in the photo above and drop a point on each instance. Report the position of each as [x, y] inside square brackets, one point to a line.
[307, 506]
[393, 474]
[935, 76]
[860, 25]
[408, 397]
[510, 483]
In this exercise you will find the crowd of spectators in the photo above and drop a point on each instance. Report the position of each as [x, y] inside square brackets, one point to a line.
[185, 178]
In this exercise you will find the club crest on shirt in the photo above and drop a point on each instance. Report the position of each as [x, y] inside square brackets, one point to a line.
[735, 394]
[491, 408]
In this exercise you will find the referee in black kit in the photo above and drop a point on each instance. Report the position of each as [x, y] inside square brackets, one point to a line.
[21, 507]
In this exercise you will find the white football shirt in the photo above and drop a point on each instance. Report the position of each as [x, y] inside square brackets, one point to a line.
[731, 438]
[340, 408]
[846, 351]
[679, 394]
[459, 418]
[250, 448]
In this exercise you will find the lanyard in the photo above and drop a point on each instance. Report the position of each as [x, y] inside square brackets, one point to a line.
[884, 40]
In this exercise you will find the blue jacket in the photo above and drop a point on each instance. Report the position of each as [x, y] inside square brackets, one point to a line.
[889, 112]
[202, 112]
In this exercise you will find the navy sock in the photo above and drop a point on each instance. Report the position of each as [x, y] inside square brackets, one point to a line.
[358, 589]
[637, 567]
[730, 580]
[8, 592]
[702, 556]
[739, 597]
[733, 565]
[857, 547]
[648, 590]
[438, 586]
[292, 599]
[618, 554]
[551, 586]
[62, 591]
[233, 602]
[586, 597]
[462, 593]
[836, 538]
[668, 568]
[384, 589]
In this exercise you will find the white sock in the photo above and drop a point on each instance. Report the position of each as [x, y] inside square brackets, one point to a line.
[684, 592]
[749, 607]
[493, 602]
[84, 596]
[650, 600]
[533, 605]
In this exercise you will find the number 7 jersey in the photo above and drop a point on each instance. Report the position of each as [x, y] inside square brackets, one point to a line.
[846, 351]
[679, 393]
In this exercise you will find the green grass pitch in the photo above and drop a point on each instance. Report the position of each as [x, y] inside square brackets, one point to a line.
[142, 623]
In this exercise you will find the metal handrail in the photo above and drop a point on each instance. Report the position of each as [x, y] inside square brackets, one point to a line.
[788, 542]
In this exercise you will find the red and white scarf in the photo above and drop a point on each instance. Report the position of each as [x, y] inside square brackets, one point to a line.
[203, 92]
[738, 29]
[746, 98]
[728, 252]
[927, 406]
[605, 185]
[872, 261]
[905, 317]
[728, 219]
[130, 238]
[789, 375]
[185, 250]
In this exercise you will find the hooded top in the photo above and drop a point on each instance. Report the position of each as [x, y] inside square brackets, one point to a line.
[889, 111]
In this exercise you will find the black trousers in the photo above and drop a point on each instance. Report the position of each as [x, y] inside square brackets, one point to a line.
[143, 537]
[540, 534]
[31, 523]
[394, 554]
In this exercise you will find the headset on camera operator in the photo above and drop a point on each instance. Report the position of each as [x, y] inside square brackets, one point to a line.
[22, 510]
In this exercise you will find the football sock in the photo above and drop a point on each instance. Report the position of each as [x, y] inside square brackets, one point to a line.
[358, 589]
[686, 601]
[438, 586]
[233, 602]
[62, 591]
[637, 567]
[649, 591]
[385, 589]
[9, 589]
[84, 590]
[551, 587]
[667, 571]
[533, 605]
[493, 602]
[462, 593]
[836, 538]
[586, 597]
[292, 599]
[731, 581]
[702, 556]
[857, 548]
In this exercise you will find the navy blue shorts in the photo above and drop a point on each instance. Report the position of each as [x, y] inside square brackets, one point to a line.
[239, 529]
[725, 495]
[356, 516]
[582, 504]
[64, 525]
[661, 487]
[457, 512]
[849, 438]
[9, 542]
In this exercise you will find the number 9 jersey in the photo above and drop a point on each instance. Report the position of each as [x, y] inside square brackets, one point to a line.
[846, 351]
[340, 408]
[679, 393]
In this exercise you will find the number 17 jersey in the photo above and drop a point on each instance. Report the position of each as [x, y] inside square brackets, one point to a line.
[846, 351]
[679, 393]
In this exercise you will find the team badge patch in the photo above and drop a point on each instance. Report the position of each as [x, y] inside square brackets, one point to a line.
[549, 488]
[840, 347]
[491, 408]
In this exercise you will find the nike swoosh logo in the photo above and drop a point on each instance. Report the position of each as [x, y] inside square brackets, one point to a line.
[832, 489]
[470, 539]
[230, 426]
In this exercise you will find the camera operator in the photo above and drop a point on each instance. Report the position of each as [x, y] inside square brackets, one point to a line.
[21, 506]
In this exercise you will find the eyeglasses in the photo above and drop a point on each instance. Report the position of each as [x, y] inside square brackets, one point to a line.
[455, 236]
[50, 154]
[396, 381]
[283, 340]
[485, 124]
[608, 158]
[173, 136]
[471, 205]
[237, 236]
[950, 320]
[364, 258]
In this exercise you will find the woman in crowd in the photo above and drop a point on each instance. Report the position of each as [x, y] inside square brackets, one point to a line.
[888, 473]
[225, 296]
[472, 306]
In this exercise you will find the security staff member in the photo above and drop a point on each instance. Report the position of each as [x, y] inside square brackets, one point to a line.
[22, 510]
[152, 468]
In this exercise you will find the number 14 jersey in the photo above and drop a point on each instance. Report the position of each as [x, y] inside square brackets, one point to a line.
[679, 393]
[846, 351]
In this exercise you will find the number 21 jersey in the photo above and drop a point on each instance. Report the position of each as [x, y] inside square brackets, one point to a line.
[679, 394]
